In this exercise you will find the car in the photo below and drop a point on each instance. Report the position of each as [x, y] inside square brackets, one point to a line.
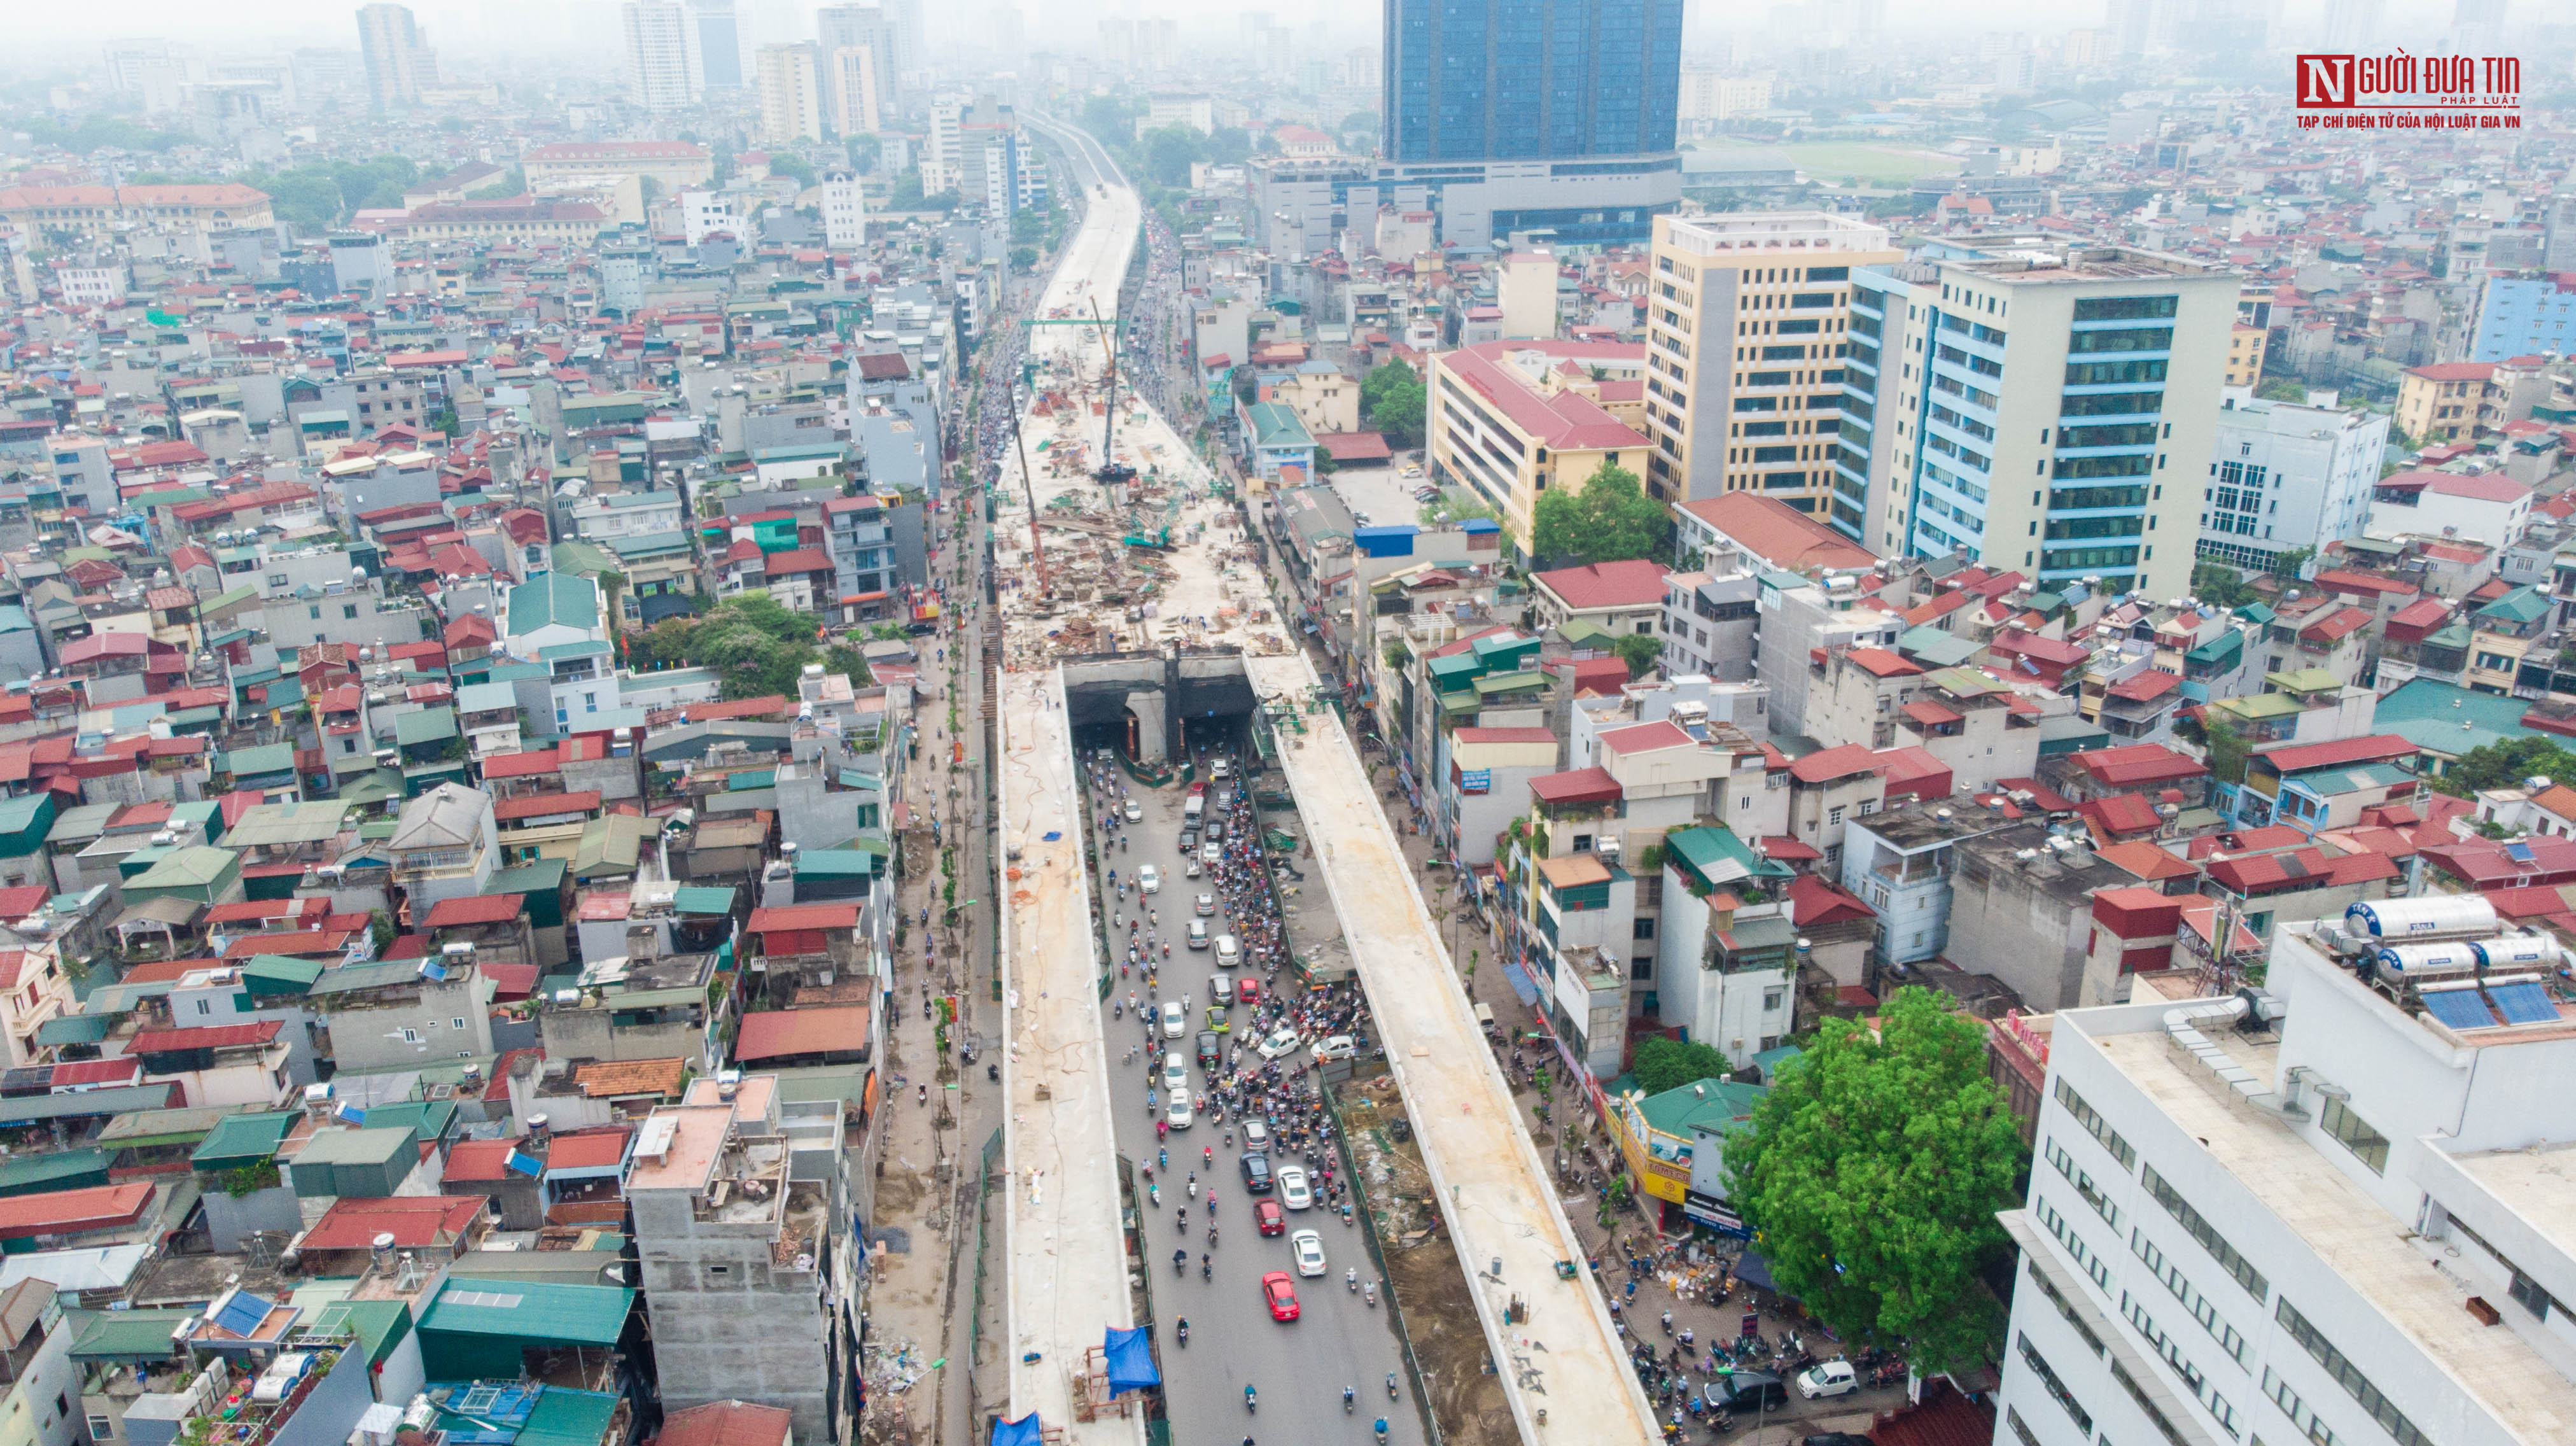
[1135, 811]
[1229, 950]
[1756, 1391]
[1247, 990]
[1149, 879]
[1211, 853]
[1281, 1292]
[1189, 841]
[1197, 938]
[1176, 1072]
[1410, 469]
[1210, 1049]
[1309, 1248]
[1220, 770]
[1362, 519]
[1256, 1135]
[1176, 1020]
[1256, 1171]
[1828, 1378]
[1217, 1019]
[1280, 1042]
[1178, 1113]
[1268, 1218]
[1293, 1190]
[1205, 906]
[1340, 1046]
[1214, 833]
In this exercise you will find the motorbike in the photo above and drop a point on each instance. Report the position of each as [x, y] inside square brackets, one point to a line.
[1251, 1400]
[1390, 1385]
[1349, 1399]
[1183, 1331]
[1180, 1261]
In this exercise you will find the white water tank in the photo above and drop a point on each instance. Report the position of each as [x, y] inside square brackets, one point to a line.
[2392, 920]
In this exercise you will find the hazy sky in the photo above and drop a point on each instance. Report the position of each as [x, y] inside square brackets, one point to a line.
[57, 33]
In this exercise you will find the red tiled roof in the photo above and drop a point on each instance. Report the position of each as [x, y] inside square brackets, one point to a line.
[2145, 687]
[779, 1033]
[1782, 848]
[1827, 764]
[588, 1150]
[2121, 813]
[803, 916]
[416, 1222]
[727, 1423]
[2139, 763]
[1813, 901]
[1884, 664]
[1606, 585]
[212, 1036]
[1778, 533]
[70, 1212]
[522, 765]
[475, 909]
[1931, 714]
[1577, 785]
[2300, 757]
[480, 1160]
[2143, 858]
[544, 805]
[2335, 626]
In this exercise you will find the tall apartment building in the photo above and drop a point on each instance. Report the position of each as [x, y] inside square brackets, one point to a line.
[398, 58]
[860, 58]
[2051, 412]
[1747, 322]
[845, 210]
[742, 1227]
[718, 50]
[942, 159]
[791, 93]
[2333, 1209]
[1520, 119]
[2283, 476]
[657, 55]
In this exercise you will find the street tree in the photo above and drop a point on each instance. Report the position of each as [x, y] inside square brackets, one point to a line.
[1610, 520]
[1873, 1171]
[1395, 402]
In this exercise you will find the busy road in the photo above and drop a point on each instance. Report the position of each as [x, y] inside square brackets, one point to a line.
[1341, 1338]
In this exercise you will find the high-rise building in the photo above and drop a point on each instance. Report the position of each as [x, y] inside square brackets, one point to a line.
[1532, 117]
[657, 55]
[399, 60]
[128, 61]
[2052, 412]
[791, 93]
[719, 58]
[1746, 327]
[845, 210]
[858, 98]
[2285, 476]
[2329, 1208]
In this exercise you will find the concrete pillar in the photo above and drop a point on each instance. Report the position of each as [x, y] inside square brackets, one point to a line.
[1153, 741]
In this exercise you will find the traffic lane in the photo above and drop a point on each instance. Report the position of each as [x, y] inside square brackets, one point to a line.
[1233, 1340]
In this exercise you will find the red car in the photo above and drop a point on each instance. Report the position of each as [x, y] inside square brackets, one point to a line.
[1282, 1295]
[1248, 991]
[1269, 1217]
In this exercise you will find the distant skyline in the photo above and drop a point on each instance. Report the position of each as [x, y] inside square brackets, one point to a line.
[53, 36]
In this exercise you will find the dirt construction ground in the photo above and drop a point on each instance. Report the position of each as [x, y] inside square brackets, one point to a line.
[1423, 1272]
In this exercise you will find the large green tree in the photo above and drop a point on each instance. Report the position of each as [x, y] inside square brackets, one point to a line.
[1393, 399]
[1662, 1064]
[1872, 1173]
[1610, 520]
[2506, 765]
[753, 642]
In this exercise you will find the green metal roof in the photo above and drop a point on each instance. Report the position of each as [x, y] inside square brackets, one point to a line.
[703, 899]
[486, 697]
[239, 1140]
[287, 824]
[1509, 682]
[288, 975]
[553, 599]
[836, 863]
[75, 1029]
[347, 978]
[530, 1310]
[1935, 647]
[564, 1417]
[2220, 650]
[2429, 713]
[544, 874]
[116, 1100]
[187, 868]
[1715, 854]
[426, 725]
[2524, 604]
[1710, 1106]
[267, 758]
[128, 1335]
[27, 1174]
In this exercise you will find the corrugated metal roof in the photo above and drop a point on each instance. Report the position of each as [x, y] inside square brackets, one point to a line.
[530, 1310]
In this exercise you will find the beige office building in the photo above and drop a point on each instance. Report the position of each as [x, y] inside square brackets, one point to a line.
[791, 94]
[1747, 321]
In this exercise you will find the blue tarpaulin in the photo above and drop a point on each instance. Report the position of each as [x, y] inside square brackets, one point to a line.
[1023, 1432]
[1131, 1361]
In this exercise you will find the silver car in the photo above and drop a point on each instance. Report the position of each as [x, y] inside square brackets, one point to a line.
[1206, 906]
[1294, 1192]
[1309, 1249]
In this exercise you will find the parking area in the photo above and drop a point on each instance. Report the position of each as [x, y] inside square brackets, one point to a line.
[1382, 494]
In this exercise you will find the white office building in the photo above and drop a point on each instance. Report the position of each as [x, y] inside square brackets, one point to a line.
[2285, 476]
[2339, 1209]
[657, 55]
[845, 210]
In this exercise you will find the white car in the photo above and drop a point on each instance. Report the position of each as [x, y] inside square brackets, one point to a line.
[1294, 1192]
[1176, 1020]
[1206, 906]
[1220, 770]
[1211, 853]
[1256, 1136]
[1135, 811]
[1178, 1113]
[1409, 470]
[1340, 1046]
[1310, 1253]
[1176, 1073]
[1828, 1378]
[1281, 1041]
[1149, 879]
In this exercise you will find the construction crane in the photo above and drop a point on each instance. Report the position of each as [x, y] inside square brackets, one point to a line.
[1111, 473]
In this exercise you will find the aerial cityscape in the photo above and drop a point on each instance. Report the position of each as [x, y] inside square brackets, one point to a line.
[1859, 721]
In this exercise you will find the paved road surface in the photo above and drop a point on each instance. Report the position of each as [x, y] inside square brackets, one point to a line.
[1299, 1368]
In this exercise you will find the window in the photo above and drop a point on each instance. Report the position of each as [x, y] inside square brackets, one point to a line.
[2059, 1226]
[2094, 1124]
[2126, 308]
[1583, 843]
[1834, 815]
[2368, 1146]
[2083, 1183]
[719, 1270]
[1642, 929]
[2349, 1376]
[314, 611]
[460, 1021]
[102, 1428]
[2296, 1409]
[348, 610]
[2199, 1228]
[1771, 999]
[411, 1036]
[2201, 1390]
[2056, 1388]
[2192, 1300]
[205, 1006]
[1641, 967]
